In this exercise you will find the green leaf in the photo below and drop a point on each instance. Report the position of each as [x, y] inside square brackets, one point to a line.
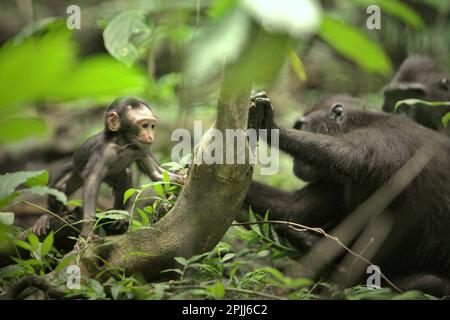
[125, 35]
[129, 193]
[227, 257]
[159, 189]
[24, 67]
[354, 45]
[10, 181]
[47, 244]
[22, 244]
[297, 65]
[446, 119]
[144, 217]
[181, 261]
[397, 9]
[100, 76]
[97, 287]
[7, 218]
[17, 128]
[166, 176]
[64, 262]
[412, 102]
[266, 226]
[34, 241]
[218, 290]
[44, 190]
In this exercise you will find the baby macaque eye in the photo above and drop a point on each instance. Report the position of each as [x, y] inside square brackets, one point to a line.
[444, 84]
[145, 126]
[153, 126]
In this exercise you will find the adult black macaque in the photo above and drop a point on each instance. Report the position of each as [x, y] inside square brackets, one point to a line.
[420, 77]
[346, 154]
[106, 157]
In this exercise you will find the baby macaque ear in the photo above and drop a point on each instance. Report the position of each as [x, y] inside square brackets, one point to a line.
[113, 121]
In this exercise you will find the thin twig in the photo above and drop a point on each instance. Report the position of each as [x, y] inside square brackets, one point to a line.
[300, 228]
[43, 209]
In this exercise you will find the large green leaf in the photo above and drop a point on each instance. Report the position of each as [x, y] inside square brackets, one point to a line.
[17, 128]
[33, 68]
[355, 45]
[7, 218]
[125, 35]
[10, 181]
[100, 76]
[397, 9]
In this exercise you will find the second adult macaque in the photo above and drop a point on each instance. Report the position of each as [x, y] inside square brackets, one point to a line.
[106, 157]
[347, 154]
[420, 77]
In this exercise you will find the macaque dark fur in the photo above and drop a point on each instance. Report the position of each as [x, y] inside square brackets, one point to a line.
[346, 154]
[106, 157]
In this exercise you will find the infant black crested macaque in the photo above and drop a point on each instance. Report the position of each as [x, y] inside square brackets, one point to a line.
[106, 157]
[420, 77]
[345, 154]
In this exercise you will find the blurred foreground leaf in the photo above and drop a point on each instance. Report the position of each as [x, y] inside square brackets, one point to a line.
[10, 181]
[354, 45]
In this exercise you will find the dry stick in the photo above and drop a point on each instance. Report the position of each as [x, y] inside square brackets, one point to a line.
[256, 293]
[300, 228]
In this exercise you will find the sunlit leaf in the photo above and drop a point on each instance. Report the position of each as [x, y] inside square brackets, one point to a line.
[354, 45]
[7, 218]
[227, 257]
[47, 244]
[113, 214]
[294, 17]
[34, 241]
[129, 193]
[181, 261]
